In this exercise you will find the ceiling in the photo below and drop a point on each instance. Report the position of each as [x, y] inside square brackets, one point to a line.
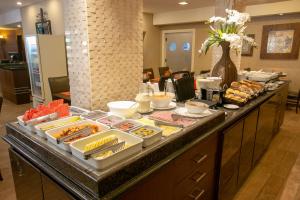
[156, 6]
[7, 5]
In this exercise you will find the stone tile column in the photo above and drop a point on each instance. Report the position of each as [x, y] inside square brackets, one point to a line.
[104, 50]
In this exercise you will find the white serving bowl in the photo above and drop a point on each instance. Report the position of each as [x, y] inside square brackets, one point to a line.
[123, 108]
[160, 100]
[196, 107]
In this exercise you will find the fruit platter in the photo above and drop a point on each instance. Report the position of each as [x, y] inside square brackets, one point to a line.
[103, 150]
[149, 134]
[43, 113]
[64, 136]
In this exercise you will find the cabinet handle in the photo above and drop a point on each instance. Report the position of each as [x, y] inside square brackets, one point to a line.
[197, 196]
[198, 179]
[201, 159]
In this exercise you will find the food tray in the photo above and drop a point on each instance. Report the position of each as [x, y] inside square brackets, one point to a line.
[94, 115]
[135, 125]
[66, 146]
[76, 111]
[63, 121]
[149, 140]
[133, 143]
[30, 124]
[110, 120]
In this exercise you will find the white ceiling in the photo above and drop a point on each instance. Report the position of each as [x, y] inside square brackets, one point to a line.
[7, 5]
[157, 6]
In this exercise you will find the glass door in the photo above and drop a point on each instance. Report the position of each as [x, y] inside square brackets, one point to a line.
[33, 60]
[178, 51]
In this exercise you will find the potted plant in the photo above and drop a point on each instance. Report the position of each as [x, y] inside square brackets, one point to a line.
[229, 33]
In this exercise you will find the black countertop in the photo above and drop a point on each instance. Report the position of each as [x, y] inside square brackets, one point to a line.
[88, 183]
[13, 66]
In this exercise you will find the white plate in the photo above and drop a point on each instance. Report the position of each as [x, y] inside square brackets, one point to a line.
[183, 111]
[171, 106]
[231, 106]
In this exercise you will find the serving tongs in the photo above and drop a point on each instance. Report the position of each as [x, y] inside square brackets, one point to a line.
[41, 119]
[113, 146]
[85, 132]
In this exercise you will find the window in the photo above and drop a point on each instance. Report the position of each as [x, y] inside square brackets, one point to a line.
[172, 46]
[186, 46]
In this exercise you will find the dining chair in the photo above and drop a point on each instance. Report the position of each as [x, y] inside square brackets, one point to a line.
[293, 99]
[1, 101]
[162, 70]
[58, 85]
[149, 72]
[204, 72]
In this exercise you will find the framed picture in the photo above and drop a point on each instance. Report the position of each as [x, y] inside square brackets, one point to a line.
[247, 49]
[280, 41]
[43, 27]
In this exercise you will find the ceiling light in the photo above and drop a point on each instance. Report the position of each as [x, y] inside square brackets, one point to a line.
[19, 26]
[19, 3]
[183, 3]
[280, 14]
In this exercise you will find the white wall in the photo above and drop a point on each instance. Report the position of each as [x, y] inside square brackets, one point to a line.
[55, 14]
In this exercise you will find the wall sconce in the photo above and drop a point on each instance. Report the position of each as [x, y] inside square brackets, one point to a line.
[1, 37]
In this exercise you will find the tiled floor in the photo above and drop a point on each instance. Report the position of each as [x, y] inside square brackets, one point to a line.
[277, 176]
[8, 113]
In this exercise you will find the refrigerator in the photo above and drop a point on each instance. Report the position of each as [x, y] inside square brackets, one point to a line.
[46, 57]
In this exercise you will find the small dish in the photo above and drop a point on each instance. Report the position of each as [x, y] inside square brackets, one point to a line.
[231, 106]
[184, 112]
[171, 106]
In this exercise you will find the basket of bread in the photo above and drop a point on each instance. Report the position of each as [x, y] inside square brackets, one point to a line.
[241, 92]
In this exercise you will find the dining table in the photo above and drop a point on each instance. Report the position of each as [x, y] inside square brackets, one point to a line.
[66, 96]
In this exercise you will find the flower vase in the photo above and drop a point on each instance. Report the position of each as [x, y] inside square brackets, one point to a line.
[225, 68]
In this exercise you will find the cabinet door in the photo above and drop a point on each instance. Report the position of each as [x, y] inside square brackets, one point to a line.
[53, 190]
[27, 178]
[247, 148]
[157, 186]
[230, 161]
[265, 128]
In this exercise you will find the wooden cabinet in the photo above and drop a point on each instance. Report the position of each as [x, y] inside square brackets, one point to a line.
[265, 127]
[232, 138]
[32, 184]
[190, 176]
[53, 191]
[15, 85]
[27, 178]
[247, 148]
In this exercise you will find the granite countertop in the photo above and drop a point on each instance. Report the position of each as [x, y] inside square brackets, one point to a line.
[86, 182]
[103, 183]
[13, 66]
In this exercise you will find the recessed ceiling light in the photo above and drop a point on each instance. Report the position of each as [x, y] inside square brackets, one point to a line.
[183, 3]
[19, 3]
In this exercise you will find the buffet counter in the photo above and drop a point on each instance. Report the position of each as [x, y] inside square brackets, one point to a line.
[15, 83]
[202, 160]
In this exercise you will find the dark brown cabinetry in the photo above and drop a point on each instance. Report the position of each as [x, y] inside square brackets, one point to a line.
[265, 128]
[190, 176]
[32, 184]
[27, 178]
[230, 160]
[247, 147]
[15, 84]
